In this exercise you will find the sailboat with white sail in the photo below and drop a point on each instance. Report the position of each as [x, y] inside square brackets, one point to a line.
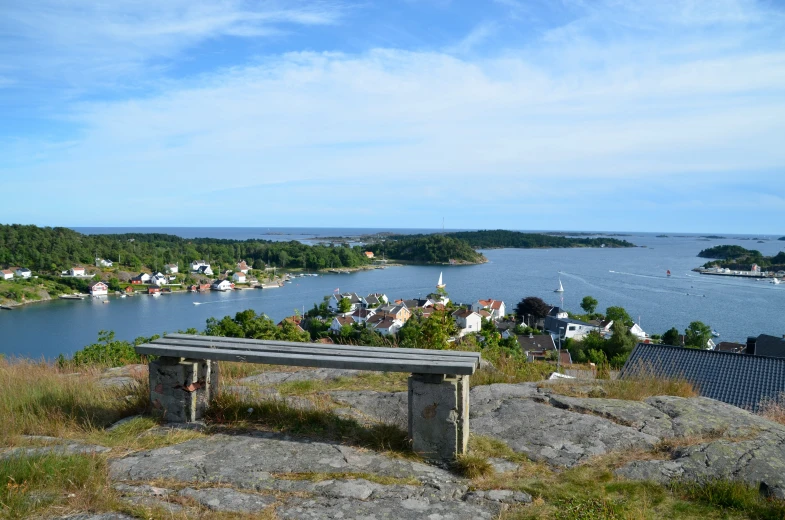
[561, 287]
[441, 284]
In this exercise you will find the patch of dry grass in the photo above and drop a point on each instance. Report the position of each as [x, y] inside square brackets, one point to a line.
[233, 411]
[774, 409]
[377, 381]
[510, 369]
[627, 389]
[38, 398]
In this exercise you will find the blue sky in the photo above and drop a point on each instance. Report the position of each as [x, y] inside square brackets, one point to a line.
[666, 115]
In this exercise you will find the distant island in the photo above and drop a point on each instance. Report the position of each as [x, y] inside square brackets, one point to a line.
[500, 238]
[781, 238]
[737, 257]
[460, 247]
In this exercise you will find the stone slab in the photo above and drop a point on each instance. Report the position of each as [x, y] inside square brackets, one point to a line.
[557, 437]
[228, 500]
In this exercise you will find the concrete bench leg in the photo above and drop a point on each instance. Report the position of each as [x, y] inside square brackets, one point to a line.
[181, 389]
[439, 415]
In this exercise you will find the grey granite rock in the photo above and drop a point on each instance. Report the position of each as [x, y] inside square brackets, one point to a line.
[486, 398]
[504, 496]
[758, 461]
[317, 374]
[704, 416]
[228, 500]
[118, 382]
[371, 406]
[122, 422]
[635, 414]
[558, 437]
[253, 392]
[143, 490]
[248, 460]
[385, 509]
[503, 465]
[64, 447]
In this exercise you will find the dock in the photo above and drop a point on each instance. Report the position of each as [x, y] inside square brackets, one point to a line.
[715, 271]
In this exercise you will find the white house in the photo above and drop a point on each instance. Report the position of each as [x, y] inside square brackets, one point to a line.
[355, 300]
[239, 277]
[361, 315]
[201, 267]
[568, 327]
[76, 271]
[467, 320]
[141, 278]
[222, 285]
[7, 274]
[98, 288]
[339, 321]
[102, 262]
[243, 267]
[388, 326]
[205, 270]
[638, 332]
[496, 308]
[376, 299]
[158, 279]
[23, 272]
[171, 268]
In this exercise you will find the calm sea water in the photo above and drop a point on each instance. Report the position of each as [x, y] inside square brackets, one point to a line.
[633, 278]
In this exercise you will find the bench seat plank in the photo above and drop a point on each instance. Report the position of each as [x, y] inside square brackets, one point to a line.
[454, 367]
[388, 350]
[312, 349]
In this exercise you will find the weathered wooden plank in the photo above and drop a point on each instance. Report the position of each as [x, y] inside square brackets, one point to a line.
[452, 353]
[312, 349]
[275, 358]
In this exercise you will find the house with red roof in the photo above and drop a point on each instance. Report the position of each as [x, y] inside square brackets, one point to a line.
[495, 308]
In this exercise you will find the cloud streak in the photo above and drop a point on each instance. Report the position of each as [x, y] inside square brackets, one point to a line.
[601, 122]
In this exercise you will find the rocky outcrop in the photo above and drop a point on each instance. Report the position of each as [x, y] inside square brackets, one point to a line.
[265, 468]
[692, 439]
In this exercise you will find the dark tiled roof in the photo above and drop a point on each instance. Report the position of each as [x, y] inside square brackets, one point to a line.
[540, 342]
[729, 346]
[736, 379]
[772, 346]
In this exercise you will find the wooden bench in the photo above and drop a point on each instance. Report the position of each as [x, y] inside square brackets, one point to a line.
[184, 379]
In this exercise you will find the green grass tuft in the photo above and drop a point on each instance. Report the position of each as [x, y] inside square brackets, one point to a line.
[471, 465]
[29, 484]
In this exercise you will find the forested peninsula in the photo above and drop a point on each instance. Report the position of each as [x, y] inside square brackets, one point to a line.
[737, 257]
[499, 238]
[45, 249]
[52, 250]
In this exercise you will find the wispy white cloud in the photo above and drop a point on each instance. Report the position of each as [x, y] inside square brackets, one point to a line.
[476, 36]
[82, 42]
[579, 119]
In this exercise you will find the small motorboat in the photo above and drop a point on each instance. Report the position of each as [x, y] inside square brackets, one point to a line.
[715, 333]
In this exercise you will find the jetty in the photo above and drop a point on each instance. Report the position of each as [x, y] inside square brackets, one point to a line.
[724, 271]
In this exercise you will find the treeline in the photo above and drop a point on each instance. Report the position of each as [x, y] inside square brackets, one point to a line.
[729, 252]
[46, 249]
[426, 249]
[737, 257]
[487, 239]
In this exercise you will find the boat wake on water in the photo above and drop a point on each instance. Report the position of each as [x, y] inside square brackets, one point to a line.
[228, 301]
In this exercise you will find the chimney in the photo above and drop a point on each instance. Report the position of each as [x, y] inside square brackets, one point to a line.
[751, 340]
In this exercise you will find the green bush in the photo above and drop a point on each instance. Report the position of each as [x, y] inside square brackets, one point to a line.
[108, 351]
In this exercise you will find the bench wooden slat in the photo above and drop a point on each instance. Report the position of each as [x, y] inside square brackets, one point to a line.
[456, 367]
[391, 350]
[309, 349]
